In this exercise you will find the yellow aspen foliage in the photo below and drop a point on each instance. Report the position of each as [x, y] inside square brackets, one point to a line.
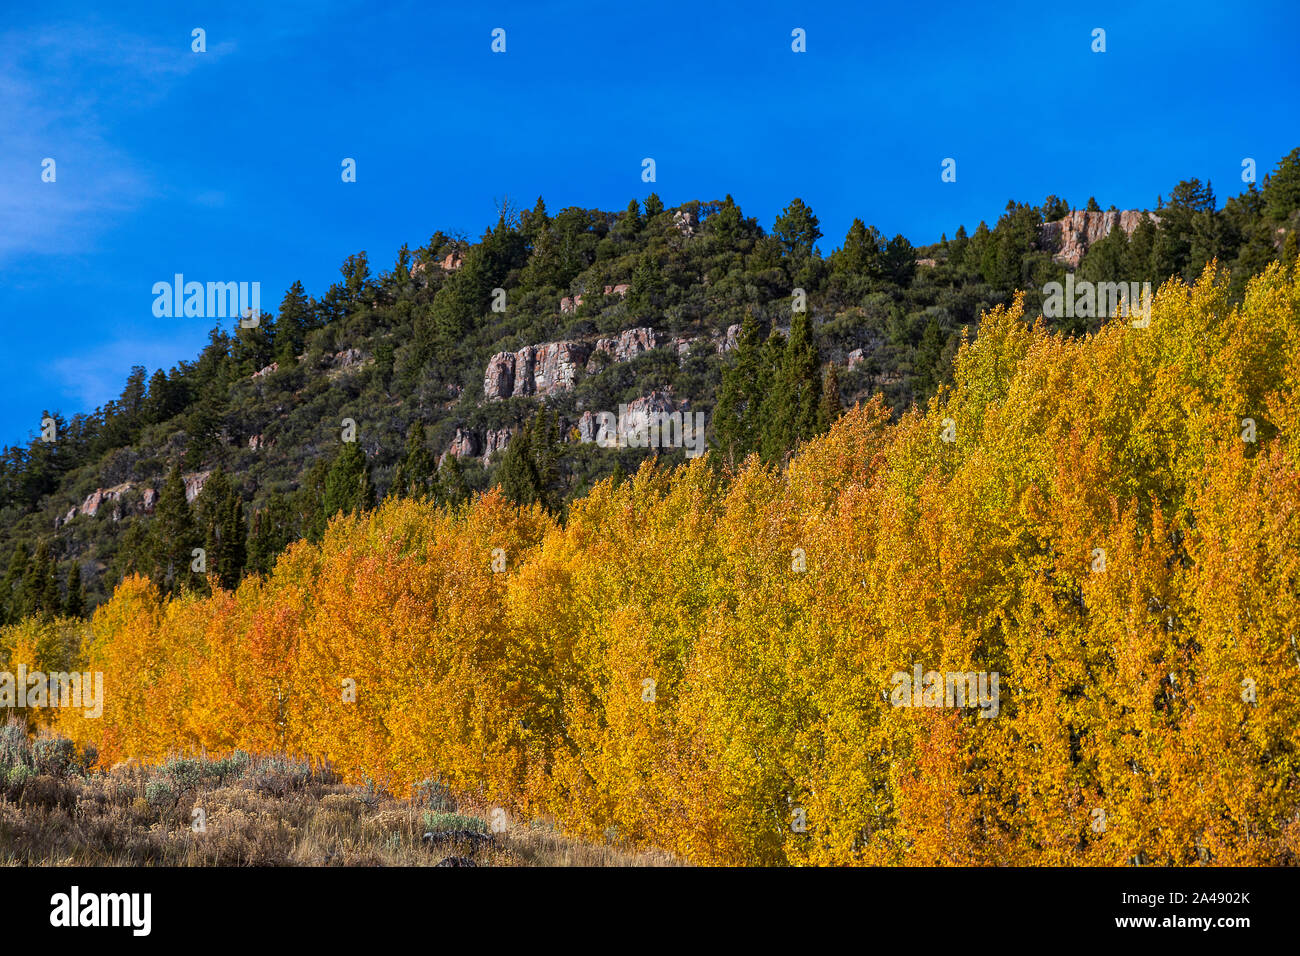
[1052, 618]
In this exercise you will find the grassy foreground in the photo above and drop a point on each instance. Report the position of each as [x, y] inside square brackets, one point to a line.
[58, 809]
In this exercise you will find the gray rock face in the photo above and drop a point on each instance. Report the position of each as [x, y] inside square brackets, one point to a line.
[731, 339]
[1069, 238]
[553, 367]
[347, 358]
[624, 347]
[499, 380]
[194, 484]
[464, 444]
[557, 365]
[495, 441]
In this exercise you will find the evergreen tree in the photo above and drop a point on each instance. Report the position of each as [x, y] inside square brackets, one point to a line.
[271, 532]
[517, 475]
[791, 410]
[862, 254]
[653, 206]
[530, 471]
[451, 488]
[172, 537]
[292, 325]
[160, 404]
[417, 471]
[797, 229]
[309, 502]
[830, 409]
[647, 285]
[220, 518]
[1282, 188]
[12, 593]
[347, 486]
[736, 425]
[74, 604]
[40, 588]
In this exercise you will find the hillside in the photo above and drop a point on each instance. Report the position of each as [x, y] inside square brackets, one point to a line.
[1050, 619]
[647, 307]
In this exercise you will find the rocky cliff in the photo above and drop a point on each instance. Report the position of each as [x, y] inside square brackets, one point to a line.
[1069, 238]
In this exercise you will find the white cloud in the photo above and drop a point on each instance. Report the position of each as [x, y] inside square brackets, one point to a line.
[63, 88]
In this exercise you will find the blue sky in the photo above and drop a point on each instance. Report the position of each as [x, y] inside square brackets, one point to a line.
[225, 165]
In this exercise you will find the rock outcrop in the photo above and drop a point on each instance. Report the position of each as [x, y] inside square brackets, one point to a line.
[621, 289]
[623, 347]
[684, 222]
[348, 358]
[499, 379]
[1069, 238]
[464, 444]
[102, 496]
[731, 339]
[194, 484]
[273, 367]
[636, 417]
[495, 441]
[534, 370]
[96, 499]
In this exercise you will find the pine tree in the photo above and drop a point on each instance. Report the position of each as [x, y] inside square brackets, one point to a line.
[797, 229]
[12, 591]
[172, 536]
[830, 409]
[347, 486]
[74, 605]
[451, 486]
[736, 425]
[417, 471]
[790, 411]
[271, 532]
[517, 475]
[309, 502]
[40, 588]
[292, 325]
[220, 511]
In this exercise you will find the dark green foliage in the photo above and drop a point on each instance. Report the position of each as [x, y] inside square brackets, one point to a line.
[219, 513]
[74, 602]
[173, 536]
[790, 411]
[876, 321]
[530, 470]
[347, 486]
[272, 530]
[417, 472]
[40, 590]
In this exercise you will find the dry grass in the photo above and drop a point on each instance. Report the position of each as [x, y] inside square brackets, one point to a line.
[256, 811]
